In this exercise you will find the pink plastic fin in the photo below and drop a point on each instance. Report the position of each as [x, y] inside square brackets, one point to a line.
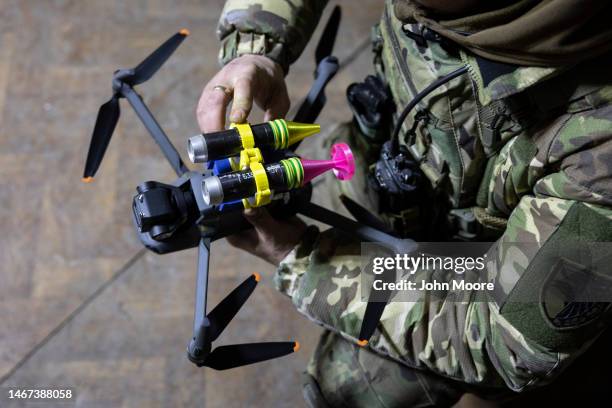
[344, 162]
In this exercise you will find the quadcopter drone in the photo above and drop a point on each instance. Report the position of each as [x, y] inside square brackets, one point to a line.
[247, 166]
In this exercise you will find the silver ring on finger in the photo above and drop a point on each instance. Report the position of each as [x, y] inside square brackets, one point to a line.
[222, 89]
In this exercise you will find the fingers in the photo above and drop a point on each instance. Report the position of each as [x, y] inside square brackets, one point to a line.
[245, 79]
[243, 99]
[212, 107]
[278, 106]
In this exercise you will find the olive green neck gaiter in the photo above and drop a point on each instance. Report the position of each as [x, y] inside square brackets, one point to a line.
[523, 32]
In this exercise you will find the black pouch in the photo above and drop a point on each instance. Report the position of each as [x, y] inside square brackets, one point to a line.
[372, 107]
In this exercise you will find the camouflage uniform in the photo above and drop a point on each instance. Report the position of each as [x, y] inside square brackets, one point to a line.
[527, 152]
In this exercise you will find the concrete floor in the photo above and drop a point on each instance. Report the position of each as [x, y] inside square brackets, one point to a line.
[82, 305]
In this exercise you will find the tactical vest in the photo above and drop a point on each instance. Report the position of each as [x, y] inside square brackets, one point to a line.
[459, 131]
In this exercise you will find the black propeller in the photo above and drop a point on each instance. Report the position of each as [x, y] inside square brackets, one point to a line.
[207, 327]
[108, 115]
[225, 311]
[372, 315]
[327, 66]
[377, 299]
[147, 68]
[236, 355]
[328, 38]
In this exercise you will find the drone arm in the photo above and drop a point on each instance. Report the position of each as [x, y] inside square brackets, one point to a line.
[363, 215]
[154, 129]
[363, 232]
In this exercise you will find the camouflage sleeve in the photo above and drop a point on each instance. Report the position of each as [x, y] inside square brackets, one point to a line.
[279, 29]
[517, 337]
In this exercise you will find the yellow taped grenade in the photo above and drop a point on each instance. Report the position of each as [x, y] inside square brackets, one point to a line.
[276, 134]
[258, 182]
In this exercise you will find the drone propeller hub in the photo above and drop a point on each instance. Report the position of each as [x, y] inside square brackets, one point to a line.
[120, 77]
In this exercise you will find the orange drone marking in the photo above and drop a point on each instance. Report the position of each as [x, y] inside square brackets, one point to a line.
[362, 343]
[87, 179]
[184, 31]
[296, 347]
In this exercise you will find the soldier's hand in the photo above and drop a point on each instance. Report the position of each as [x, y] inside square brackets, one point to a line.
[246, 79]
[270, 239]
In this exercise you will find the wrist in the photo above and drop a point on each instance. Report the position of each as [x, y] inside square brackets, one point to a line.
[238, 44]
[272, 68]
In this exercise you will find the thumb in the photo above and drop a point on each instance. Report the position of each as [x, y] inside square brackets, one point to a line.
[245, 240]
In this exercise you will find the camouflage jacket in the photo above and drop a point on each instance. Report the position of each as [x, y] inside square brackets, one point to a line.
[277, 29]
[528, 150]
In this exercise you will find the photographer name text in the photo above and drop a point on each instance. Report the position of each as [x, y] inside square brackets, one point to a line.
[455, 284]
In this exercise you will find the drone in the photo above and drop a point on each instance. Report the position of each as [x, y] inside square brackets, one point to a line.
[246, 166]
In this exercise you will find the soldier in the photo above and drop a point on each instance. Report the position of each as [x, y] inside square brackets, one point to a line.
[516, 150]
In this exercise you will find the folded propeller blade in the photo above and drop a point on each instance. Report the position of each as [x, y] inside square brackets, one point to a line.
[145, 70]
[236, 355]
[377, 301]
[225, 311]
[108, 115]
[373, 313]
[328, 38]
